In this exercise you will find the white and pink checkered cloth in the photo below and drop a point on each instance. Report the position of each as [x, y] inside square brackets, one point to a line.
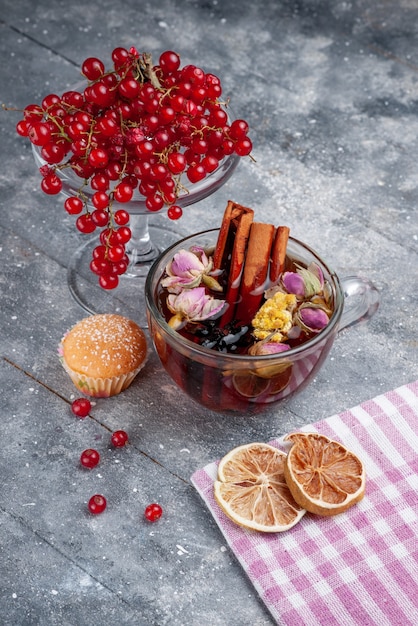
[357, 568]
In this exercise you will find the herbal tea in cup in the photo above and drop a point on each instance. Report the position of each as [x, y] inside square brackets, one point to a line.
[245, 315]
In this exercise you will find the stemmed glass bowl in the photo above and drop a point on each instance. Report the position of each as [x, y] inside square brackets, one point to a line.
[146, 244]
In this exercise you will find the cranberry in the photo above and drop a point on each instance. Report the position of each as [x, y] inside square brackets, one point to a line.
[81, 407]
[97, 504]
[119, 438]
[153, 512]
[89, 458]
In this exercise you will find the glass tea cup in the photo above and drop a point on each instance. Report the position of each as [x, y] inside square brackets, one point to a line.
[230, 382]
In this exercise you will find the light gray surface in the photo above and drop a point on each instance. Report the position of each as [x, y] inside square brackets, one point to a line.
[330, 90]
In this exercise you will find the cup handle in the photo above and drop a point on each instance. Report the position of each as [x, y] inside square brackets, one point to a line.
[361, 301]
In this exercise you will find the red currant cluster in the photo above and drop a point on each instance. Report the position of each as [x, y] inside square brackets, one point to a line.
[135, 128]
[90, 458]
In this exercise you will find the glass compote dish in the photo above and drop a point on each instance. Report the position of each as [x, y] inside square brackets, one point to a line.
[148, 240]
[124, 144]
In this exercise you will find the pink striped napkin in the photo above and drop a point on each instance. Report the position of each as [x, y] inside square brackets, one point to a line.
[360, 567]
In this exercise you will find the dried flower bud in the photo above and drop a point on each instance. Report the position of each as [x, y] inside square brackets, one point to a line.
[312, 318]
[192, 305]
[267, 347]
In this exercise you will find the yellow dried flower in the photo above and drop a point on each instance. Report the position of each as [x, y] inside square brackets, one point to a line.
[275, 315]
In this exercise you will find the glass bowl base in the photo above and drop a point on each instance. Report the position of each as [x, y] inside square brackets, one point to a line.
[128, 298]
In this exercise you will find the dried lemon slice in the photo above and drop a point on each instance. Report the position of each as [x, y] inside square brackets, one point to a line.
[323, 476]
[252, 491]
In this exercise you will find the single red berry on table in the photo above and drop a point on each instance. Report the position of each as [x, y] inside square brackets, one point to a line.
[97, 504]
[81, 407]
[89, 458]
[153, 512]
[119, 438]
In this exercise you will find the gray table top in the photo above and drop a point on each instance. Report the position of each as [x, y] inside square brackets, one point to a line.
[330, 90]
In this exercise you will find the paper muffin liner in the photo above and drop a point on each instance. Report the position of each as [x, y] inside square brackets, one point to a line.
[99, 387]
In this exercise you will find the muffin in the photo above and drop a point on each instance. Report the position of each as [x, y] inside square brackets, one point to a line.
[103, 353]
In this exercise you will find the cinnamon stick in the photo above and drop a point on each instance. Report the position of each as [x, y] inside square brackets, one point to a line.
[231, 223]
[230, 251]
[278, 253]
[255, 273]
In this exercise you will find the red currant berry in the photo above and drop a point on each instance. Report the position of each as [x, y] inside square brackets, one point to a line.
[116, 253]
[100, 266]
[98, 158]
[121, 217]
[198, 145]
[154, 202]
[120, 267]
[51, 100]
[99, 182]
[113, 170]
[53, 152]
[169, 61]
[73, 98]
[92, 68]
[89, 458]
[218, 117]
[174, 212]
[210, 163]
[123, 192]
[119, 438]
[73, 205]
[176, 162]
[33, 113]
[120, 57]
[167, 115]
[108, 281]
[100, 200]
[97, 504]
[243, 146]
[129, 88]
[239, 129]
[153, 512]
[102, 94]
[123, 234]
[81, 407]
[22, 128]
[85, 224]
[39, 133]
[100, 217]
[196, 172]
[51, 184]
[107, 126]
